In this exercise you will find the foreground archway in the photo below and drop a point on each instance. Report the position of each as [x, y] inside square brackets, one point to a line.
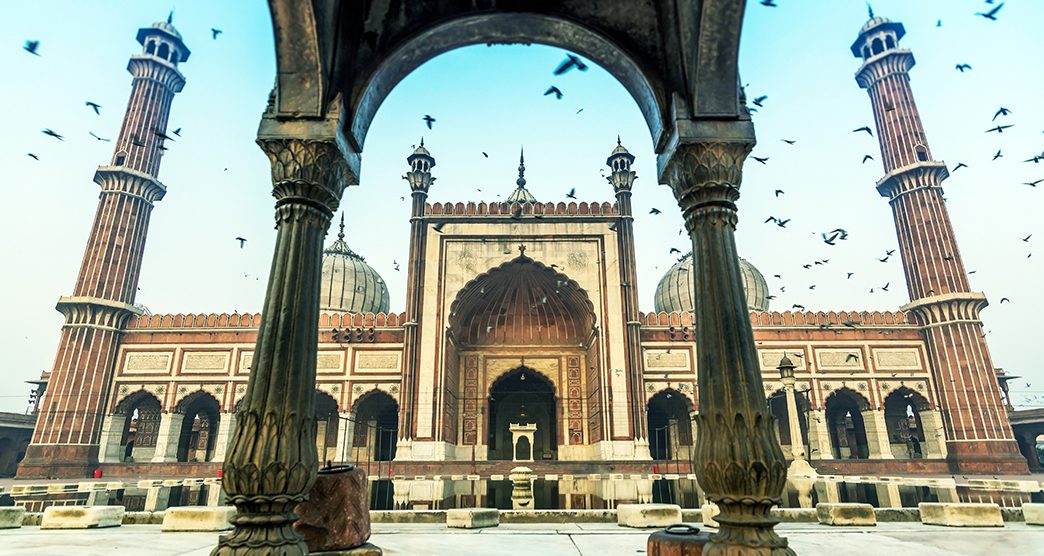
[334, 67]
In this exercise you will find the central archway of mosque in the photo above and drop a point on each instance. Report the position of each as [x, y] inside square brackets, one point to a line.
[520, 338]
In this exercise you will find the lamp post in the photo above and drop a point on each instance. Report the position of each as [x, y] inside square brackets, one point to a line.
[799, 467]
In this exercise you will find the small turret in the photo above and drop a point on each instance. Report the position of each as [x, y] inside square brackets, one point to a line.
[620, 161]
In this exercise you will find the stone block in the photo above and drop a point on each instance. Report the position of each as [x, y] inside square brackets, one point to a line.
[82, 517]
[846, 514]
[472, 518]
[961, 515]
[708, 511]
[198, 518]
[1033, 514]
[648, 515]
[336, 514]
[11, 517]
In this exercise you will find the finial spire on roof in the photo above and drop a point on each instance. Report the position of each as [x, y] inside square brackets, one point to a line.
[170, 17]
[340, 234]
[521, 181]
[618, 140]
[870, 10]
[422, 140]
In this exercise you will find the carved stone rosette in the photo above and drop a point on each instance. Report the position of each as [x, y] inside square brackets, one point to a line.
[272, 463]
[740, 465]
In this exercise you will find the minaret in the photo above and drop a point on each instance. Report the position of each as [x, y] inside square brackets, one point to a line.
[420, 179]
[622, 179]
[979, 438]
[66, 439]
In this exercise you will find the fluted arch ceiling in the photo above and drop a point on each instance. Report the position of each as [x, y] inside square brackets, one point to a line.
[678, 59]
[522, 302]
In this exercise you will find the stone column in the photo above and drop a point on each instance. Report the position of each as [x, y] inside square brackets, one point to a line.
[934, 445]
[273, 462]
[877, 434]
[741, 465]
[345, 435]
[226, 424]
[819, 436]
[111, 435]
[167, 438]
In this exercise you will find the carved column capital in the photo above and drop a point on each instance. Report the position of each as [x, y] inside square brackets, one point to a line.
[307, 171]
[705, 177]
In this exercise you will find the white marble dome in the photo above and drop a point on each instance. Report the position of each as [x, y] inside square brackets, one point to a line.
[348, 283]
[675, 290]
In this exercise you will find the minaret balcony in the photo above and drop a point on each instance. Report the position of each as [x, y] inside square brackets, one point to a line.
[947, 308]
[127, 181]
[919, 175]
[154, 68]
[879, 66]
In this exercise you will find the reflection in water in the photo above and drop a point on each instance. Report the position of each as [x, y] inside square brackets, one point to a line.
[589, 494]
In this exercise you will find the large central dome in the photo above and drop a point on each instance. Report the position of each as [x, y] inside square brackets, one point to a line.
[348, 283]
[675, 290]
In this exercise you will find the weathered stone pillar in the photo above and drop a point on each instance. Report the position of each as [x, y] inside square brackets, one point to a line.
[111, 435]
[273, 462]
[226, 424]
[877, 434]
[741, 465]
[167, 438]
[819, 436]
[345, 436]
[934, 439]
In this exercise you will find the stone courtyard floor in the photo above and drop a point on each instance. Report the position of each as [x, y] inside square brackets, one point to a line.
[588, 539]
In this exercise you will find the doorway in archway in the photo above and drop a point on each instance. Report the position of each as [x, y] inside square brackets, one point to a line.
[522, 396]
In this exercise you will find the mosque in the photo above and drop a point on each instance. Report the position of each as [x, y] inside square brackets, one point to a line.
[520, 338]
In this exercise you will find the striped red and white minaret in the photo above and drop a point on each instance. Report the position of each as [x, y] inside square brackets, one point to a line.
[979, 438]
[68, 428]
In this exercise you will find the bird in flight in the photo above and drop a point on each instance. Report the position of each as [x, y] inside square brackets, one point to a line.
[569, 63]
[571, 194]
[242, 241]
[31, 46]
[959, 166]
[992, 14]
[789, 141]
[654, 210]
[484, 154]
[864, 128]
[779, 192]
[761, 160]
[1027, 238]
[998, 155]
[98, 138]
[884, 288]
[1000, 128]
[162, 135]
[94, 106]
[759, 100]
[438, 227]
[1035, 159]
[674, 250]
[428, 120]
[769, 3]
[53, 134]
[177, 132]
[867, 157]
[214, 33]
[1033, 183]
[849, 277]
[32, 156]
[554, 90]
[962, 67]
[1001, 112]
[1005, 300]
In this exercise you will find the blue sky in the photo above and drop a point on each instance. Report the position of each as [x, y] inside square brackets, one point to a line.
[489, 99]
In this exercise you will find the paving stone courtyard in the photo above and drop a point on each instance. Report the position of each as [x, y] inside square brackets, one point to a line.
[589, 539]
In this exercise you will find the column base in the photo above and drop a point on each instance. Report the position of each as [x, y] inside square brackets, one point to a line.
[58, 461]
[986, 458]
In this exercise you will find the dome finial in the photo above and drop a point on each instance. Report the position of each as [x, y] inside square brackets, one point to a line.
[870, 10]
[422, 140]
[170, 17]
[618, 140]
[340, 234]
[521, 181]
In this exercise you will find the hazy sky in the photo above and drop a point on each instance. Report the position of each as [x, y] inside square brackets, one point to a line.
[490, 99]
